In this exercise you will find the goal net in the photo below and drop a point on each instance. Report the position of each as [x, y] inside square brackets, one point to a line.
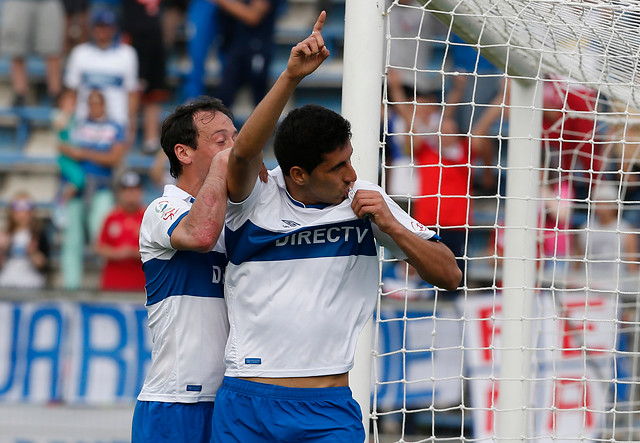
[512, 128]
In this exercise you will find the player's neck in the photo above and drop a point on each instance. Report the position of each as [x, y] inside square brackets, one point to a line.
[298, 193]
[189, 185]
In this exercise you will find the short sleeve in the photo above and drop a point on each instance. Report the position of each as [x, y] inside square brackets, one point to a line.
[131, 74]
[239, 212]
[158, 223]
[72, 72]
[405, 219]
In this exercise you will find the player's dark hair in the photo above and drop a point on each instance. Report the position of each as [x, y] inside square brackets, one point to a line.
[179, 127]
[306, 134]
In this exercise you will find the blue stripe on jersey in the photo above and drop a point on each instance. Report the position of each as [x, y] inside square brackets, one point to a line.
[186, 273]
[174, 225]
[252, 243]
[99, 80]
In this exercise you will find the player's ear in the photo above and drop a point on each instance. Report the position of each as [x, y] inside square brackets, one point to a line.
[183, 152]
[298, 175]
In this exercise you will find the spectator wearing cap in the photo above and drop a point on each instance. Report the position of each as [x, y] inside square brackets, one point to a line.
[97, 145]
[108, 65]
[24, 247]
[35, 26]
[118, 241]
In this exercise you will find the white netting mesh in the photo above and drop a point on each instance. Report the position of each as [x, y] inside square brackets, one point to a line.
[595, 43]
[448, 134]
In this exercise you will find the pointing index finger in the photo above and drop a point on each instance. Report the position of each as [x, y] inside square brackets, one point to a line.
[320, 22]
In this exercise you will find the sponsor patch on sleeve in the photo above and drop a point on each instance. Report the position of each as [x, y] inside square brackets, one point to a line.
[165, 210]
[418, 227]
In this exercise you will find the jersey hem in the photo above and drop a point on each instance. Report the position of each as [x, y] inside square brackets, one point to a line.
[175, 398]
[272, 373]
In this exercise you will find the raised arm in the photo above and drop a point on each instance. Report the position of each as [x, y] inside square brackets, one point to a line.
[246, 155]
[200, 228]
[402, 105]
[483, 146]
[434, 261]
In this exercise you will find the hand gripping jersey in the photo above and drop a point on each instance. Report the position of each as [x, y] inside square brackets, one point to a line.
[185, 305]
[301, 281]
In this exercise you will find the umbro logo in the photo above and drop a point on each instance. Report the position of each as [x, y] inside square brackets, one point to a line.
[290, 223]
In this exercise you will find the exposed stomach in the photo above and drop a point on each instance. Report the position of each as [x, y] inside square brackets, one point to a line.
[318, 381]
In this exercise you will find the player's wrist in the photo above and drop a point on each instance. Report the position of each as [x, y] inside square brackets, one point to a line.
[291, 77]
[394, 229]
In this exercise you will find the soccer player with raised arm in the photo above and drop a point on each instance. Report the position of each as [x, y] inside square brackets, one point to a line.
[302, 276]
[184, 263]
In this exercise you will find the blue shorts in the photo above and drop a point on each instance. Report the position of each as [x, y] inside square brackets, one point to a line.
[253, 412]
[155, 421]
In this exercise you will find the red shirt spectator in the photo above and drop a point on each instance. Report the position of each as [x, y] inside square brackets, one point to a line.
[568, 129]
[445, 183]
[118, 241]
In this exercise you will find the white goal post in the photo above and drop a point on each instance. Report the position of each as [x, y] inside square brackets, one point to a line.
[361, 98]
[542, 340]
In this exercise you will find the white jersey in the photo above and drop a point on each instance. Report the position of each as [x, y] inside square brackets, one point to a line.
[185, 305]
[301, 281]
[113, 71]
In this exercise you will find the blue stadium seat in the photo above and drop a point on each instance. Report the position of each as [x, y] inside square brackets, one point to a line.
[24, 118]
[35, 67]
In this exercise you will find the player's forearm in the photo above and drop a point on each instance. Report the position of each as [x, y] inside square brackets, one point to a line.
[434, 261]
[257, 130]
[200, 229]
[245, 159]
[246, 155]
